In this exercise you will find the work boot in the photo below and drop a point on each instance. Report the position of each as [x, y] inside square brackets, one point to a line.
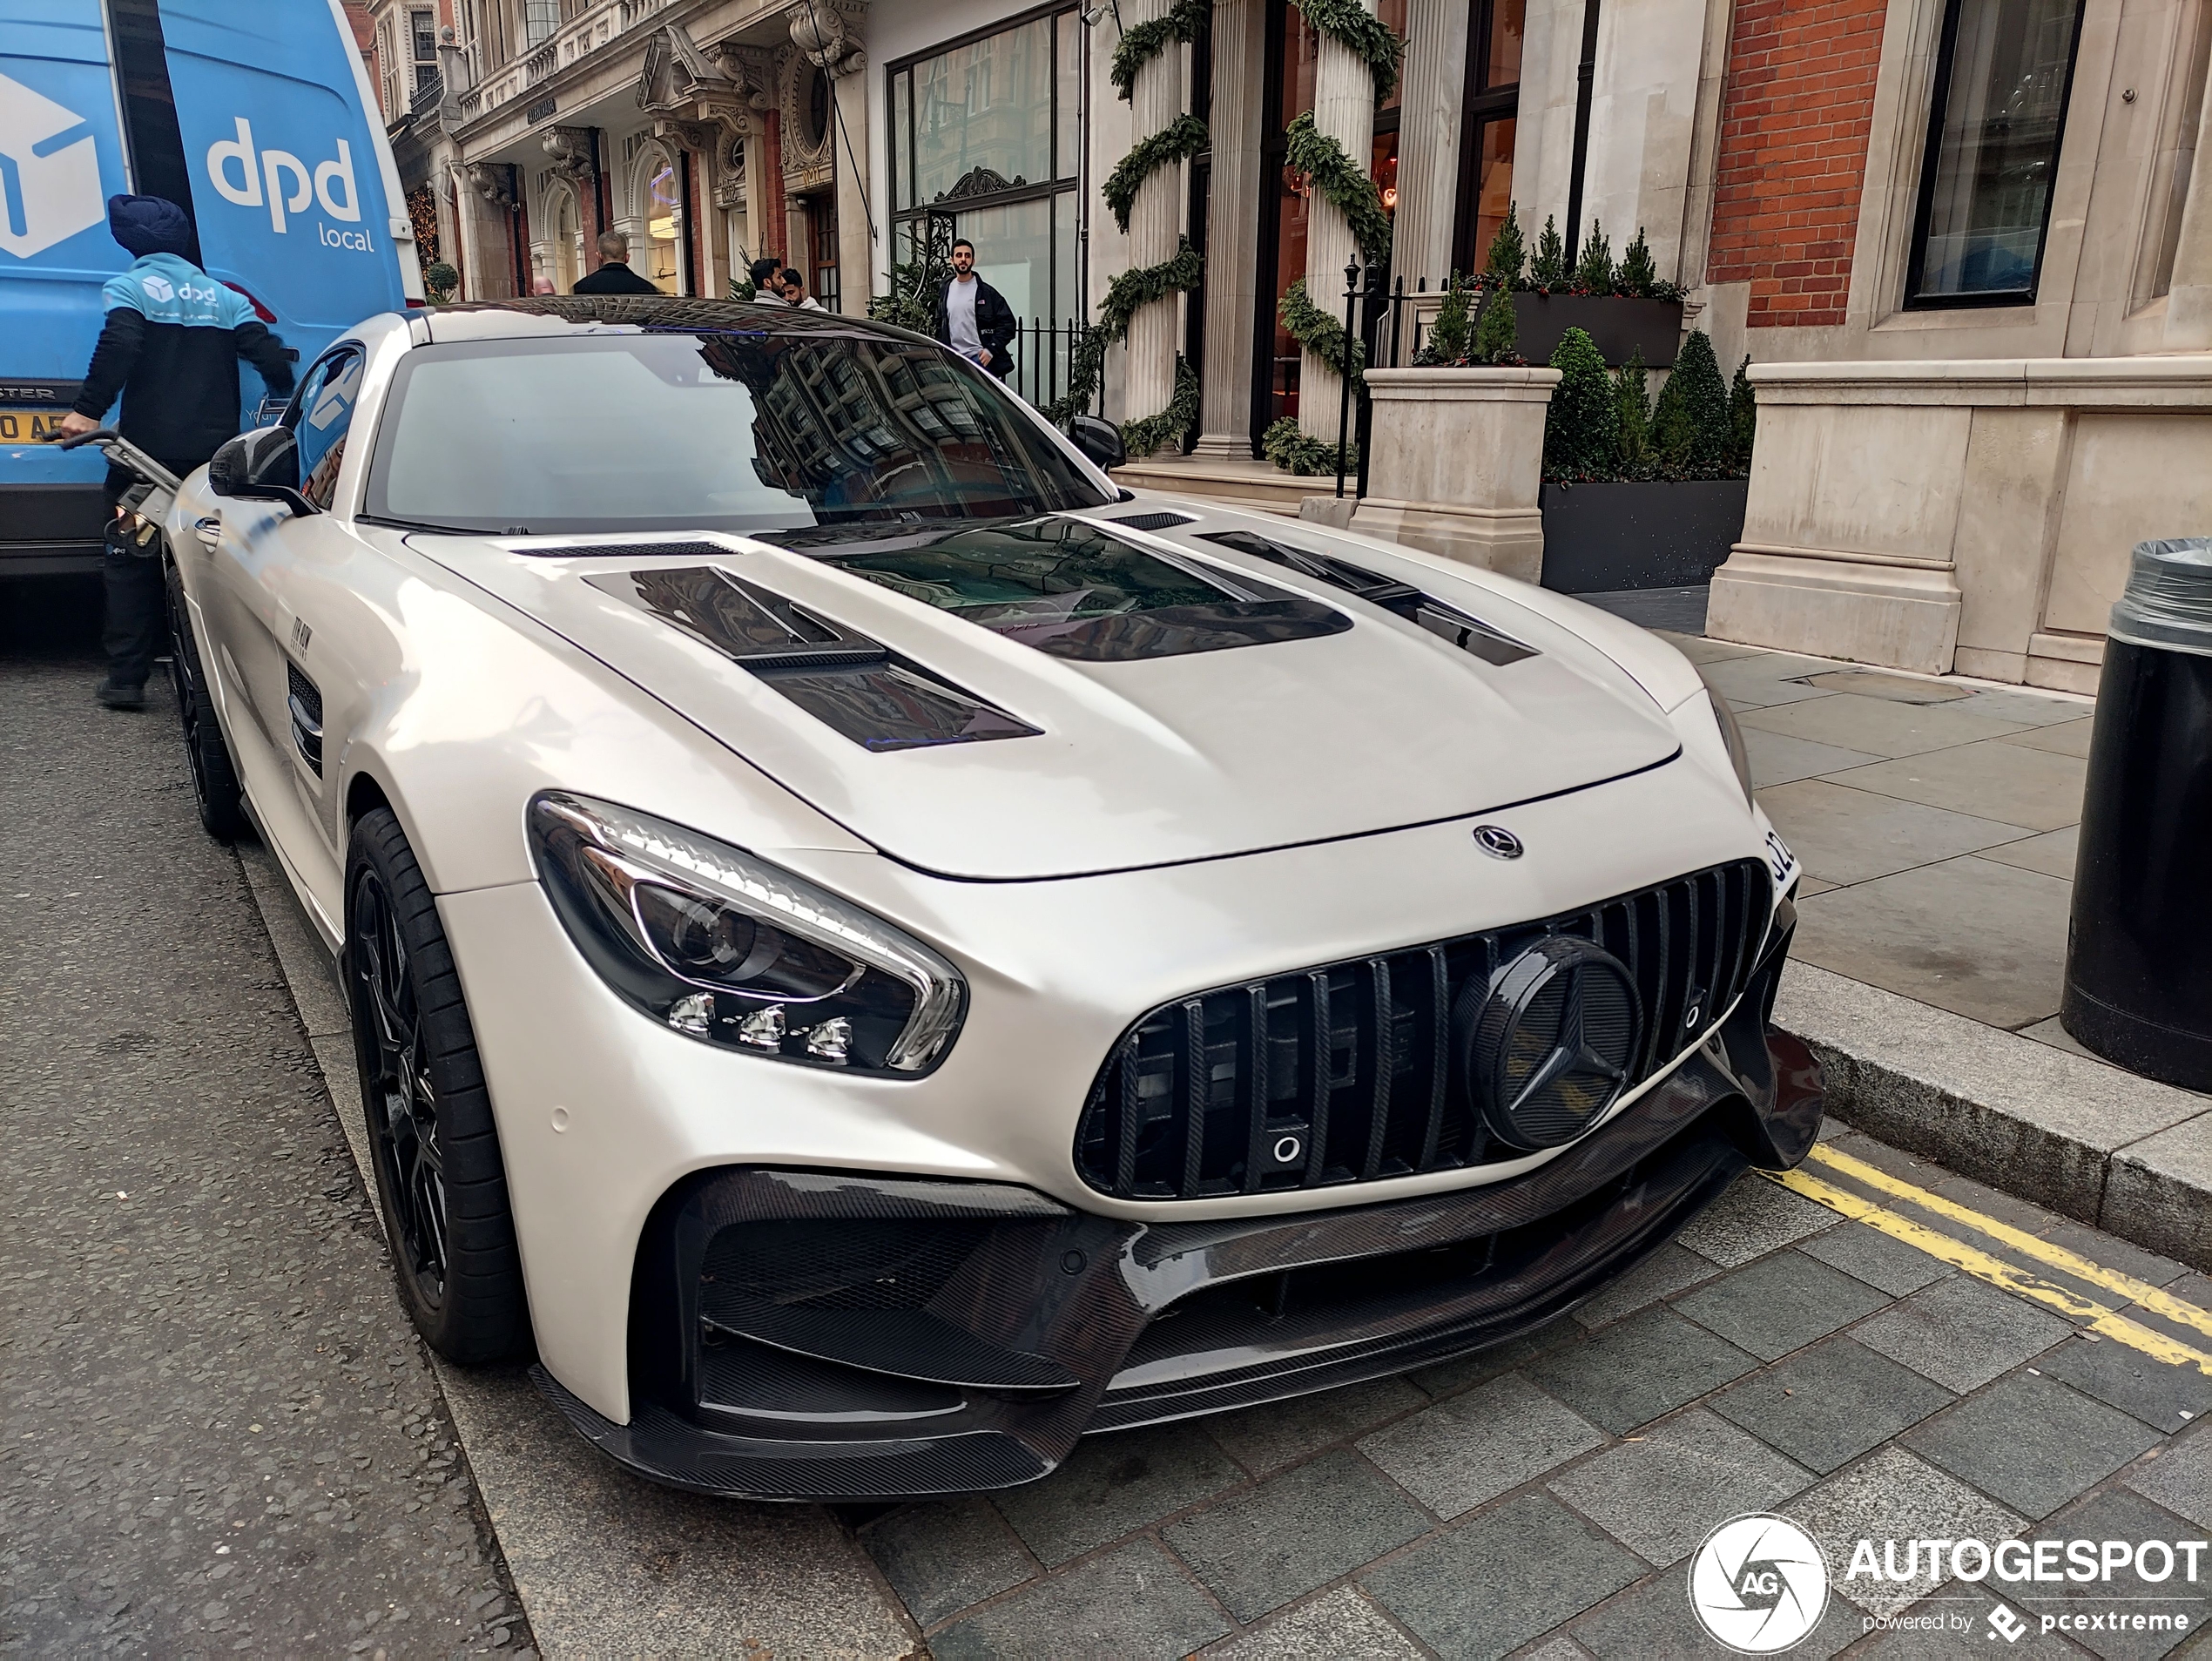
[117, 696]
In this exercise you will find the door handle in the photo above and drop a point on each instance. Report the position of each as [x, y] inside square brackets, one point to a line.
[210, 529]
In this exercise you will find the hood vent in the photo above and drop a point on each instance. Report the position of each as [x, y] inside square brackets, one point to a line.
[1155, 521]
[627, 550]
[862, 689]
[1447, 622]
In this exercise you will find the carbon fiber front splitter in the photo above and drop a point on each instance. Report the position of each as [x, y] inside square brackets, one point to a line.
[834, 1336]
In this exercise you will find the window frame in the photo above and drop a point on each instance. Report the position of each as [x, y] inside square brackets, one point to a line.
[904, 215]
[1930, 153]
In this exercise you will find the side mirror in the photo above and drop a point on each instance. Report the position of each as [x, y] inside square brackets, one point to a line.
[259, 466]
[1100, 440]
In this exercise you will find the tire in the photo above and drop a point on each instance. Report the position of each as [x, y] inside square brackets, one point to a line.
[440, 1181]
[207, 757]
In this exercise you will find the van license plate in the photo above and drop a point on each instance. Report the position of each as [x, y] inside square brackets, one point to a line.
[31, 426]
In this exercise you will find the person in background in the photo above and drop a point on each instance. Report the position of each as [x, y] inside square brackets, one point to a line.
[973, 318]
[169, 349]
[614, 275]
[764, 273]
[542, 284]
[793, 285]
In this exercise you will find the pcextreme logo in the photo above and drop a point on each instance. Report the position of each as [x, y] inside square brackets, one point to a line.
[282, 182]
[50, 173]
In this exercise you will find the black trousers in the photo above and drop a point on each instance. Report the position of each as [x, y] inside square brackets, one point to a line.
[137, 593]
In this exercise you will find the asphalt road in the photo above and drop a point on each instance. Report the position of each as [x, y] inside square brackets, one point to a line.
[220, 1433]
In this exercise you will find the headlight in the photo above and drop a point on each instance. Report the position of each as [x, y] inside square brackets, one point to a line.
[729, 949]
[1731, 734]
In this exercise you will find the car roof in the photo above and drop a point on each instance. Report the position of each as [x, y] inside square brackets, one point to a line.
[554, 315]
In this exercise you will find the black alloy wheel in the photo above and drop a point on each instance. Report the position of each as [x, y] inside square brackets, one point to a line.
[440, 1181]
[207, 756]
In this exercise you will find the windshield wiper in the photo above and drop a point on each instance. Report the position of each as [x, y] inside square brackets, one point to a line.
[421, 524]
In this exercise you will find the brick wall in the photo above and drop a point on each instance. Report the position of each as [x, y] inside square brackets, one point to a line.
[1793, 155]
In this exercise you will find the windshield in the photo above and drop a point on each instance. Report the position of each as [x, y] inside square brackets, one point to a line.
[731, 430]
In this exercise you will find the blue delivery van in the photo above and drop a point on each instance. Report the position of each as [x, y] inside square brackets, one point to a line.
[254, 116]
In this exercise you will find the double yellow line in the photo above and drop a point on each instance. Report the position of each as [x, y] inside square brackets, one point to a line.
[2097, 1315]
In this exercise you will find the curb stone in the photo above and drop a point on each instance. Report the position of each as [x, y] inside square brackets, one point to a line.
[2078, 1136]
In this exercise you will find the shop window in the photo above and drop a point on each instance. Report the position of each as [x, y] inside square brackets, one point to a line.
[2002, 73]
[1485, 135]
[821, 224]
[986, 144]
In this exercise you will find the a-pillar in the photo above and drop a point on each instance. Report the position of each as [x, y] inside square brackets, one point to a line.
[2189, 300]
[1232, 229]
[1155, 102]
[1344, 109]
[1428, 140]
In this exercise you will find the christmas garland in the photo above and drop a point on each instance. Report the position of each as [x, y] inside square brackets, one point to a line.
[1362, 34]
[1185, 21]
[1291, 448]
[1125, 297]
[1145, 285]
[1162, 149]
[1317, 331]
[1343, 181]
[1153, 432]
[1346, 185]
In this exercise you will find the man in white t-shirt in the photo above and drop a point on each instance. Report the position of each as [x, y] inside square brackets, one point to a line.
[763, 273]
[973, 318]
[793, 285]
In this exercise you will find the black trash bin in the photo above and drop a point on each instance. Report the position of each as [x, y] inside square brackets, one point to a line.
[2139, 949]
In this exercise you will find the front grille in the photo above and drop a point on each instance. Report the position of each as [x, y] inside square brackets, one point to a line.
[1353, 1071]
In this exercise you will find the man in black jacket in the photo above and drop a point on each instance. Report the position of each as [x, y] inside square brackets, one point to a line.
[614, 275]
[973, 318]
[170, 347]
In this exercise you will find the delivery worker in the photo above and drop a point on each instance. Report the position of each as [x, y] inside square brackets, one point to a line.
[169, 348]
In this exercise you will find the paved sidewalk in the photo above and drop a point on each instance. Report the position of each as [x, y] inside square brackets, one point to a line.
[1543, 1499]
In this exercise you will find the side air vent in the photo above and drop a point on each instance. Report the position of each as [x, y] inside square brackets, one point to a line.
[1155, 521]
[628, 550]
[1470, 634]
[304, 704]
[860, 688]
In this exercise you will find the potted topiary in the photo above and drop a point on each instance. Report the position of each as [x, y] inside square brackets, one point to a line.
[1625, 309]
[1638, 493]
[439, 281]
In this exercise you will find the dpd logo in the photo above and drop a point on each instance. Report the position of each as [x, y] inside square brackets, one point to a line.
[50, 173]
[1758, 1584]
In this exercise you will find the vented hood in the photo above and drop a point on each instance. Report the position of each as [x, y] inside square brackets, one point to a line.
[1232, 705]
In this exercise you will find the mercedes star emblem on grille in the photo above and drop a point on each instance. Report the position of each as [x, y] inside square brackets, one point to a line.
[1497, 841]
[1553, 1042]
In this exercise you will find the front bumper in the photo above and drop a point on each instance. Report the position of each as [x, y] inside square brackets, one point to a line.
[827, 1335]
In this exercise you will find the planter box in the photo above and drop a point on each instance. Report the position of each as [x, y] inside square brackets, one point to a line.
[1602, 537]
[1457, 458]
[1619, 327]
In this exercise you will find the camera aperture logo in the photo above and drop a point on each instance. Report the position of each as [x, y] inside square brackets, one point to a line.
[1758, 1584]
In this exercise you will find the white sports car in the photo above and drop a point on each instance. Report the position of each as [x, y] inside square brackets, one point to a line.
[877, 953]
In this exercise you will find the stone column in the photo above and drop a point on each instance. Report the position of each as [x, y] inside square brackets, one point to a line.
[1428, 140]
[1152, 225]
[2188, 298]
[1232, 229]
[1343, 108]
[855, 252]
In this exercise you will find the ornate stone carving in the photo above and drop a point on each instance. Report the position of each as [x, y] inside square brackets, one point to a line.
[827, 37]
[574, 152]
[492, 181]
[682, 85]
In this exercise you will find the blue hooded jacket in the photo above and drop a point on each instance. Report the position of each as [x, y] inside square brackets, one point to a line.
[171, 343]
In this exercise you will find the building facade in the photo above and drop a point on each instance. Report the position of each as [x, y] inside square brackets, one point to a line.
[1913, 183]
